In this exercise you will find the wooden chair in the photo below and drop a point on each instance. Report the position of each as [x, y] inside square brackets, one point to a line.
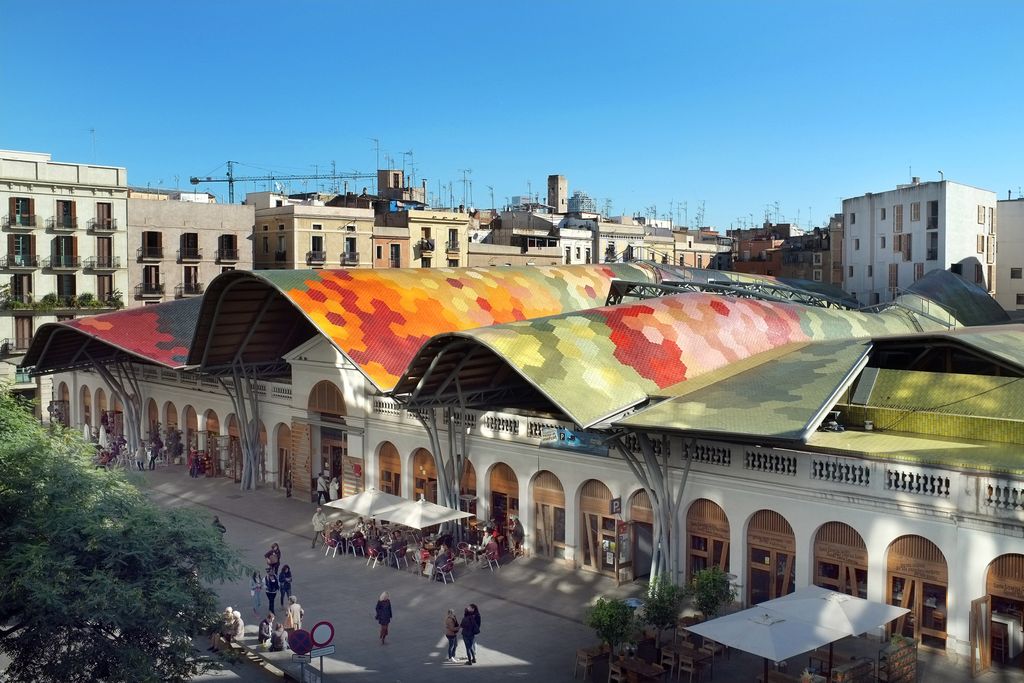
[687, 667]
[616, 674]
[585, 658]
[670, 660]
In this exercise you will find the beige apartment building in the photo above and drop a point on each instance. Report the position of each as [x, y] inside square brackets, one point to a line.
[438, 239]
[179, 241]
[306, 233]
[64, 231]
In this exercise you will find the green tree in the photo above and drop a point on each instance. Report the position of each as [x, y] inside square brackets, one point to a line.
[612, 620]
[711, 590]
[99, 584]
[664, 600]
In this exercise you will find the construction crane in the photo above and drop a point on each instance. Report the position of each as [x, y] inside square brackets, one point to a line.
[231, 178]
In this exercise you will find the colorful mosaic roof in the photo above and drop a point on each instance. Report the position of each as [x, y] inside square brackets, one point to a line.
[380, 318]
[594, 364]
[969, 303]
[784, 397]
[159, 334]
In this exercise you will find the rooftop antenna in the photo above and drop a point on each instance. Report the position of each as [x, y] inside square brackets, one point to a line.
[607, 207]
[465, 185]
[700, 214]
[376, 148]
[92, 132]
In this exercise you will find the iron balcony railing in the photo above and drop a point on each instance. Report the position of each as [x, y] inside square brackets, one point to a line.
[20, 297]
[103, 224]
[15, 261]
[62, 223]
[150, 253]
[452, 246]
[227, 254]
[316, 257]
[22, 376]
[394, 263]
[280, 256]
[103, 263]
[20, 221]
[188, 289]
[350, 258]
[61, 261]
[932, 255]
[149, 289]
[426, 245]
[190, 254]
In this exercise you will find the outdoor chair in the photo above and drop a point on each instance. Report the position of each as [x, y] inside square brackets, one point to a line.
[465, 552]
[357, 546]
[376, 556]
[400, 555]
[616, 674]
[492, 560]
[330, 545]
[445, 571]
[669, 660]
[585, 660]
[687, 668]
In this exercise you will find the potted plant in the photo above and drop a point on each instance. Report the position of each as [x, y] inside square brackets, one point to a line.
[661, 608]
[612, 620]
[711, 590]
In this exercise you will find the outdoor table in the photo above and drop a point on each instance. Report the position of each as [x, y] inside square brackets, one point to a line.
[638, 670]
[695, 657]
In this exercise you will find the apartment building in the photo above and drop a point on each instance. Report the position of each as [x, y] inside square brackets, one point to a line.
[892, 238]
[437, 238]
[307, 233]
[1009, 279]
[181, 241]
[66, 249]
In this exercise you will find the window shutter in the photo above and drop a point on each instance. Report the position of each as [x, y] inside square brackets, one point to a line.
[12, 207]
[32, 244]
[31, 207]
[74, 246]
[74, 211]
[10, 244]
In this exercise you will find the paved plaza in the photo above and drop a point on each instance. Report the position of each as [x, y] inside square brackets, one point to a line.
[532, 610]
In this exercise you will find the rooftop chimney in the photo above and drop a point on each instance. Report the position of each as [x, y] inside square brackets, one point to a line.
[916, 180]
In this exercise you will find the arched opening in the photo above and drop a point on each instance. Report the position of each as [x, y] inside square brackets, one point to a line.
[707, 532]
[326, 400]
[389, 469]
[190, 434]
[152, 418]
[101, 401]
[232, 442]
[597, 528]
[548, 515]
[424, 475]
[918, 580]
[262, 455]
[771, 557]
[85, 399]
[641, 517]
[841, 559]
[283, 447]
[60, 407]
[1004, 585]
[210, 441]
[504, 496]
[170, 415]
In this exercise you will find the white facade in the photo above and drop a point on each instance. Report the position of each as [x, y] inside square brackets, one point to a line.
[63, 237]
[893, 238]
[1010, 273]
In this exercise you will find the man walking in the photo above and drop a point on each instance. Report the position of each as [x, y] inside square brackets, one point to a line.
[321, 490]
[319, 524]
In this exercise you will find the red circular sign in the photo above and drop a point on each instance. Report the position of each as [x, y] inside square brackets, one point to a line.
[322, 633]
[300, 641]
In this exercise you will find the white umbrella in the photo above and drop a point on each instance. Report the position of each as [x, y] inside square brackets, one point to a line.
[423, 513]
[102, 441]
[86, 431]
[370, 503]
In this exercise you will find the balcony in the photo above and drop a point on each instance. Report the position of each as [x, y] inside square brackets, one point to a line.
[103, 225]
[20, 298]
[350, 258]
[190, 254]
[394, 263]
[316, 258]
[19, 262]
[452, 247]
[20, 222]
[280, 256]
[149, 290]
[103, 263]
[13, 346]
[62, 224]
[933, 223]
[62, 262]
[188, 289]
[932, 255]
[23, 376]
[150, 253]
[225, 255]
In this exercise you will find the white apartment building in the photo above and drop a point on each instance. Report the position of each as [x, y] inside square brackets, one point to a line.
[1009, 280]
[66, 247]
[893, 238]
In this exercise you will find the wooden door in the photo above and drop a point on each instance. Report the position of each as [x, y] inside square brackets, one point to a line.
[981, 635]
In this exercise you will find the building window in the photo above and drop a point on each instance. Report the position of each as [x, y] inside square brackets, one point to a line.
[316, 243]
[918, 271]
[853, 219]
[915, 212]
[577, 253]
[817, 275]
[266, 244]
[104, 286]
[981, 244]
[894, 277]
[851, 271]
[871, 271]
[933, 215]
[22, 331]
[22, 211]
[1015, 273]
[190, 277]
[1020, 299]
[380, 251]
[395, 260]
[266, 227]
[280, 242]
[280, 227]
[883, 213]
[318, 226]
[991, 220]
[65, 217]
[425, 262]
[453, 263]
[981, 215]
[979, 274]
[856, 245]
[568, 255]
[588, 255]
[883, 241]
[897, 218]
[226, 269]
[21, 288]
[66, 288]
[816, 258]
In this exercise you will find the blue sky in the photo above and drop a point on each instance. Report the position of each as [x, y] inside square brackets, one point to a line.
[738, 105]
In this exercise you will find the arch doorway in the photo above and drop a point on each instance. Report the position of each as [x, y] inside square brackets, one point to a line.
[191, 431]
[771, 567]
[86, 401]
[841, 559]
[917, 578]
[283, 448]
[389, 469]
[548, 515]
[641, 516]
[504, 495]
[424, 482]
[327, 402]
[597, 528]
[707, 531]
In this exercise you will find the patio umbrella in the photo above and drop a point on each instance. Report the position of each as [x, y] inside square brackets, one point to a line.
[371, 503]
[423, 513]
[767, 633]
[103, 439]
[834, 610]
[86, 431]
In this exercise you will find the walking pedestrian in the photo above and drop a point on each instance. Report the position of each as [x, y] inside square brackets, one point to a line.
[334, 488]
[284, 580]
[266, 629]
[273, 557]
[470, 628]
[255, 590]
[270, 587]
[384, 615]
[518, 535]
[319, 524]
[451, 632]
[293, 618]
[321, 489]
